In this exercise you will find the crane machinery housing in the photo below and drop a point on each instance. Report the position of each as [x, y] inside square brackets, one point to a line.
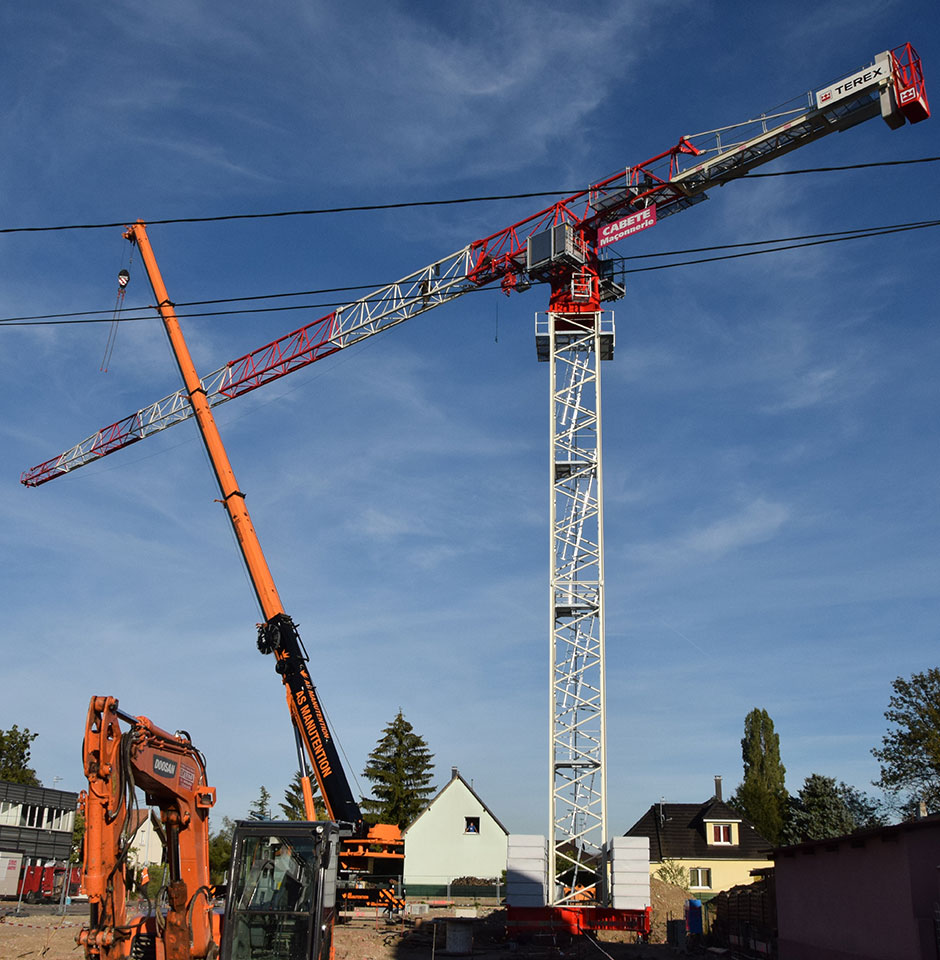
[563, 246]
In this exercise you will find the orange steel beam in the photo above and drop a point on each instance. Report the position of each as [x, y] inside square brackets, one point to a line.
[232, 498]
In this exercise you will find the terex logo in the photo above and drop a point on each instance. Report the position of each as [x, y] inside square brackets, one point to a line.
[860, 80]
[164, 767]
[877, 73]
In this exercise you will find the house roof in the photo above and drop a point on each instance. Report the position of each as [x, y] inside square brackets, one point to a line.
[676, 831]
[138, 818]
[455, 776]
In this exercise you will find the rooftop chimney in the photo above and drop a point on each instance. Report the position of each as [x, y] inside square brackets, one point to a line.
[454, 773]
[718, 788]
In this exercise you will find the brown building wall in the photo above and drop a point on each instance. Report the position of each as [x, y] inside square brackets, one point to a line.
[868, 897]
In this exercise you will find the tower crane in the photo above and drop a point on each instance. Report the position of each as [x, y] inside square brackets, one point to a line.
[564, 246]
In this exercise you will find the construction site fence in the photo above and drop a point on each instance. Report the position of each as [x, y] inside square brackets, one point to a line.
[453, 891]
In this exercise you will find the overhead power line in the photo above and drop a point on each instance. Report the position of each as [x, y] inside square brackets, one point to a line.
[777, 245]
[883, 232]
[361, 208]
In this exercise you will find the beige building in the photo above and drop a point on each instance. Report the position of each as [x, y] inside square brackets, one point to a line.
[712, 844]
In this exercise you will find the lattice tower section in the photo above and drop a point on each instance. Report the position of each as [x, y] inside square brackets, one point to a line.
[578, 725]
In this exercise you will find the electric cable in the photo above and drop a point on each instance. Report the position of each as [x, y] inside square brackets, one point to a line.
[369, 207]
[789, 243]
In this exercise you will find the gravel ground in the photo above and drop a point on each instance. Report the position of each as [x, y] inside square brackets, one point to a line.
[40, 933]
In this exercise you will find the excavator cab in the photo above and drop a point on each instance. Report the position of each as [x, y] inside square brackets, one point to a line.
[281, 896]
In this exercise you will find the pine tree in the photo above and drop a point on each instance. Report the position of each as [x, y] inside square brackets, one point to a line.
[819, 811]
[293, 805]
[400, 768]
[261, 808]
[762, 796]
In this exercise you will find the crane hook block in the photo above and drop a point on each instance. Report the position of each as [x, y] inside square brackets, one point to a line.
[269, 637]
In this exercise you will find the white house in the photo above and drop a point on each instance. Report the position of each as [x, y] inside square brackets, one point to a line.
[457, 835]
[147, 847]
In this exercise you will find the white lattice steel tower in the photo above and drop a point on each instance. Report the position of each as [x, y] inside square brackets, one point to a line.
[574, 344]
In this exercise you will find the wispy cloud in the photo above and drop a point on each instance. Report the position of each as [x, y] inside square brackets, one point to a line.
[755, 522]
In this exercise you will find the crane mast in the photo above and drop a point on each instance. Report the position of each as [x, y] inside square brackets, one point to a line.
[564, 246]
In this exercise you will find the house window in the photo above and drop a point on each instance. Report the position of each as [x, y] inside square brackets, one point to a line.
[721, 833]
[700, 878]
[471, 825]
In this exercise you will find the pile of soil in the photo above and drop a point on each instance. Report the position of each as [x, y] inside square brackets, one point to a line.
[668, 902]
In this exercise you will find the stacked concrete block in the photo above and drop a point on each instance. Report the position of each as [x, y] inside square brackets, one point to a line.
[629, 872]
[526, 870]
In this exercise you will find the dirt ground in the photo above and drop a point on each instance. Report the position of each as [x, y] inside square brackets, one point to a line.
[45, 936]
[31, 937]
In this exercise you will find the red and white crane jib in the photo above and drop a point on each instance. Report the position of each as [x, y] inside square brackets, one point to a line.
[502, 255]
[627, 201]
[386, 307]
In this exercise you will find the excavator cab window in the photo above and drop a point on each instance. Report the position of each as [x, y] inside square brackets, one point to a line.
[276, 907]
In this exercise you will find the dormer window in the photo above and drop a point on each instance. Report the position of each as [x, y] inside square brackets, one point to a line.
[721, 833]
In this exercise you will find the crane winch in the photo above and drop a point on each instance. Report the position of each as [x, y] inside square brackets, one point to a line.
[564, 246]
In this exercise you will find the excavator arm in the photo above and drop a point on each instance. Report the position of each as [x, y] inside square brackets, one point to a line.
[172, 774]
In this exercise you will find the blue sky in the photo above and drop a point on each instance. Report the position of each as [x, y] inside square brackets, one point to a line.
[770, 423]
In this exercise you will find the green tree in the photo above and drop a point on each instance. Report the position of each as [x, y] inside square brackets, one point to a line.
[866, 811]
[762, 797]
[293, 805]
[673, 872]
[78, 837]
[819, 811]
[220, 851]
[14, 756]
[156, 873]
[909, 755]
[400, 768]
[261, 808]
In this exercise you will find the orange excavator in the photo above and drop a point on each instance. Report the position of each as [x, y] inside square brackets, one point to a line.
[283, 890]
[282, 896]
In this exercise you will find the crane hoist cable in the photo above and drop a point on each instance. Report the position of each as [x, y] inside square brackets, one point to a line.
[123, 279]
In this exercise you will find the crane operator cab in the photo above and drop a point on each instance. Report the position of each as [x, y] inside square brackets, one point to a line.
[282, 890]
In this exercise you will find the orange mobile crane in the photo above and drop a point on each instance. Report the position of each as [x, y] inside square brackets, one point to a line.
[283, 882]
[564, 246]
